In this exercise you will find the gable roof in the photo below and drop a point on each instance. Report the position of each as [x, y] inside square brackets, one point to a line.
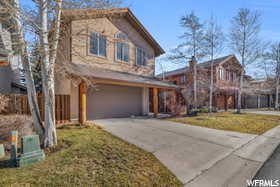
[78, 14]
[205, 64]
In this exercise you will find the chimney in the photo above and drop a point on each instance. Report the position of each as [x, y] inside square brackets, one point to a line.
[192, 62]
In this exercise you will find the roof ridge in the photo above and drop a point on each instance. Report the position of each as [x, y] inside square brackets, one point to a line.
[205, 63]
[227, 56]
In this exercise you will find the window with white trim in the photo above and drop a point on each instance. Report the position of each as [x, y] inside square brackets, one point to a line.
[221, 74]
[141, 57]
[233, 76]
[98, 44]
[121, 47]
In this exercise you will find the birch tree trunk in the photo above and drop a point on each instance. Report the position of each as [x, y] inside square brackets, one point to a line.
[32, 96]
[240, 91]
[195, 84]
[211, 84]
[277, 93]
[49, 49]
[31, 91]
[47, 79]
[277, 77]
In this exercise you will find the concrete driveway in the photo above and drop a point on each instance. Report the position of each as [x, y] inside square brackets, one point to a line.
[188, 151]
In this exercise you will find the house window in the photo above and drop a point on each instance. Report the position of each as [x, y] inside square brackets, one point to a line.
[141, 57]
[122, 47]
[233, 76]
[221, 74]
[227, 75]
[183, 79]
[98, 44]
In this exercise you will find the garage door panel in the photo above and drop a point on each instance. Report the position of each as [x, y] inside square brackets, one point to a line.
[109, 101]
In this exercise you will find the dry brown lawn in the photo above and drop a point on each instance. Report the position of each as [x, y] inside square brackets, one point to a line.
[89, 156]
[246, 123]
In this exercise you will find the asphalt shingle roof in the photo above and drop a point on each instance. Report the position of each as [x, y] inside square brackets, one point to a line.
[203, 64]
[91, 71]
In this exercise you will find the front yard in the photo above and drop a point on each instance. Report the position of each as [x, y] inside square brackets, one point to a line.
[88, 156]
[245, 122]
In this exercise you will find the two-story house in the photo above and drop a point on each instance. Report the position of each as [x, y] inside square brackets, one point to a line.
[226, 81]
[111, 51]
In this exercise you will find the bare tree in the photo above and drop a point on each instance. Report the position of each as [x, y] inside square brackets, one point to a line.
[272, 64]
[192, 49]
[214, 40]
[78, 4]
[50, 25]
[12, 9]
[244, 40]
[45, 23]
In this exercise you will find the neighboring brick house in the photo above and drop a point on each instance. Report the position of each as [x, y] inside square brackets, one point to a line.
[226, 81]
[111, 49]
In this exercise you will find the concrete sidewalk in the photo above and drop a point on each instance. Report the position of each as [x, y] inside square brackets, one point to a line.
[198, 156]
[271, 168]
[253, 111]
[242, 164]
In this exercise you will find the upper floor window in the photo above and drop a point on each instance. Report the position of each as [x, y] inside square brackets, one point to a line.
[122, 47]
[183, 78]
[98, 44]
[141, 57]
[221, 74]
[227, 75]
[232, 76]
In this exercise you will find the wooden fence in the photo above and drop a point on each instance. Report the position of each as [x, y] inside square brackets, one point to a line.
[18, 104]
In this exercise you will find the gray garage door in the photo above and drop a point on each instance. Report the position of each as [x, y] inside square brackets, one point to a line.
[109, 101]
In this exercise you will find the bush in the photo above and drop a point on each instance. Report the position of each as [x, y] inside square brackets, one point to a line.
[205, 110]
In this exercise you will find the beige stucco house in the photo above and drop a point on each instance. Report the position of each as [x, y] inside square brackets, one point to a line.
[106, 63]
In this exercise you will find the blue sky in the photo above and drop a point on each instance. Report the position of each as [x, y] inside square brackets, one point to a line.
[161, 17]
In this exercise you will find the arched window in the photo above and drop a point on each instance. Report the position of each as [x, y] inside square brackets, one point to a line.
[121, 47]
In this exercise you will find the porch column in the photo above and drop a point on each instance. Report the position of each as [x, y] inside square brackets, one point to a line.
[82, 103]
[145, 101]
[270, 100]
[155, 101]
[259, 101]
